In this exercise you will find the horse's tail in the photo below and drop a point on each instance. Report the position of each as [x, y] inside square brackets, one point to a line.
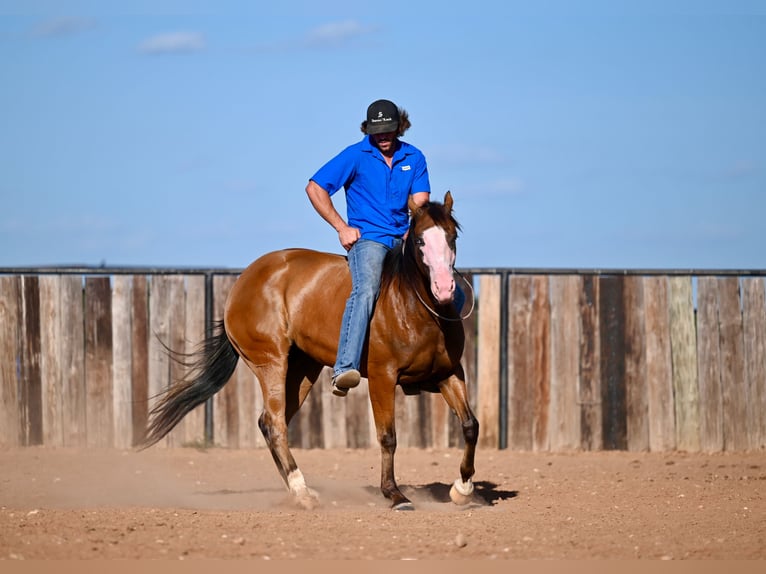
[211, 366]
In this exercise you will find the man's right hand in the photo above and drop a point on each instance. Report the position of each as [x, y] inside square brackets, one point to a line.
[348, 236]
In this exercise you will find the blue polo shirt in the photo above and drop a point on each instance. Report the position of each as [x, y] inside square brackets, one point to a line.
[376, 195]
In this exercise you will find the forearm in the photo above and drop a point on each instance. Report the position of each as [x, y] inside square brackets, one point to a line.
[323, 205]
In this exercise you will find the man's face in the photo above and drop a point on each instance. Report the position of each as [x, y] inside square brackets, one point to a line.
[385, 141]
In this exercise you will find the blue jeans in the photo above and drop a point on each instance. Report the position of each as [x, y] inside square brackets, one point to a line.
[365, 260]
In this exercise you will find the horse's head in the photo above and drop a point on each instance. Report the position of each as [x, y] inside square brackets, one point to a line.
[433, 234]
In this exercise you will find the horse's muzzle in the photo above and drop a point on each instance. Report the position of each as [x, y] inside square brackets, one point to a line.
[443, 290]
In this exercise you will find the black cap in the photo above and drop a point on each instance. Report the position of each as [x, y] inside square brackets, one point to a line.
[382, 117]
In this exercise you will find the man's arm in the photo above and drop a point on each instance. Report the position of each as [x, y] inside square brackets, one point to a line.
[421, 198]
[323, 205]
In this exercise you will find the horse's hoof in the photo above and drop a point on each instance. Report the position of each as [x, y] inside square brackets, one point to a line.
[308, 500]
[461, 492]
[406, 505]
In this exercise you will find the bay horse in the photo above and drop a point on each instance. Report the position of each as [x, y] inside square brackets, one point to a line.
[282, 318]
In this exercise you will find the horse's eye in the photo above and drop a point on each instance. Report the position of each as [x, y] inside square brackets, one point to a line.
[419, 242]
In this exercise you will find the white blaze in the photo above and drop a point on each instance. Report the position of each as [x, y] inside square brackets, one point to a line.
[439, 259]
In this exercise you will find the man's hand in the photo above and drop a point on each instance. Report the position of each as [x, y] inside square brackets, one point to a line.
[348, 236]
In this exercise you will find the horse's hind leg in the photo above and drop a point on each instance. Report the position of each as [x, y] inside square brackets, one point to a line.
[284, 389]
[454, 392]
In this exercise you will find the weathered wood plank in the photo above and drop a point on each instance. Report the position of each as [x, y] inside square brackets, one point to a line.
[72, 352]
[754, 318]
[488, 361]
[613, 392]
[372, 432]
[98, 362]
[31, 378]
[51, 335]
[411, 420]
[10, 353]
[659, 366]
[564, 420]
[636, 392]
[540, 328]
[440, 421]
[166, 321]
[358, 415]
[333, 412]
[306, 427]
[313, 436]
[122, 367]
[709, 365]
[405, 419]
[194, 335]
[683, 339]
[225, 401]
[176, 342]
[589, 390]
[140, 357]
[423, 403]
[247, 407]
[521, 375]
[732, 365]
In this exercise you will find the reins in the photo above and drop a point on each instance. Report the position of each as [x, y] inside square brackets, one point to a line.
[459, 318]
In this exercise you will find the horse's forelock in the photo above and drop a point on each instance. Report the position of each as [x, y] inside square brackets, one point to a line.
[434, 213]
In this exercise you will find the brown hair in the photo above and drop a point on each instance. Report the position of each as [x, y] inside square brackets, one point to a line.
[404, 123]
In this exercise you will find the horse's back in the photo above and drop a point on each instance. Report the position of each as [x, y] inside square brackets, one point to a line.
[287, 273]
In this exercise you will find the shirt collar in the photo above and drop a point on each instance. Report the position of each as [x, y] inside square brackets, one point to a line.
[401, 150]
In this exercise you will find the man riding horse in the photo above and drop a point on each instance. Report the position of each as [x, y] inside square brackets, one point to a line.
[379, 174]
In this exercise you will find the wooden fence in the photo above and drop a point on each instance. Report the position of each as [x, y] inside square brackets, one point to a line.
[555, 361]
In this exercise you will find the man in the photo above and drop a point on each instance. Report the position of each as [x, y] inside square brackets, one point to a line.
[378, 174]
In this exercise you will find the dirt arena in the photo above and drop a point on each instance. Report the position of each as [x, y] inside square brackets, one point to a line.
[187, 504]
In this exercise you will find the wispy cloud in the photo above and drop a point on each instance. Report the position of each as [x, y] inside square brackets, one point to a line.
[172, 42]
[334, 34]
[64, 26]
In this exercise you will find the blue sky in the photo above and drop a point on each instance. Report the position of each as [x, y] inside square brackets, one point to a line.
[574, 134]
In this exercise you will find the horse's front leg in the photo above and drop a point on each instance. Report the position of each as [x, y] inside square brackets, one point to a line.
[382, 394]
[454, 392]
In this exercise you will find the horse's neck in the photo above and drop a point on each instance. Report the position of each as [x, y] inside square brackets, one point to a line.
[409, 288]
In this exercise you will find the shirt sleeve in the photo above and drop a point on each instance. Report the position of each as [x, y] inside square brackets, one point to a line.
[420, 182]
[336, 173]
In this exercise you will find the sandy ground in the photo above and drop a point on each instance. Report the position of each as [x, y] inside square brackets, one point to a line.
[187, 504]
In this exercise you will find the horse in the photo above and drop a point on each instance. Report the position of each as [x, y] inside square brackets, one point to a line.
[282, 318]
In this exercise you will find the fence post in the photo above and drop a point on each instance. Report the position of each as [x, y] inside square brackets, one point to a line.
[503, 392]
[209, 333]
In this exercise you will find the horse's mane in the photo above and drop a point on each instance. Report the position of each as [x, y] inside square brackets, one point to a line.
[400, 265]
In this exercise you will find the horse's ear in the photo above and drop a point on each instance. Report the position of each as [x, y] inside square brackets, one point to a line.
[448, 201]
